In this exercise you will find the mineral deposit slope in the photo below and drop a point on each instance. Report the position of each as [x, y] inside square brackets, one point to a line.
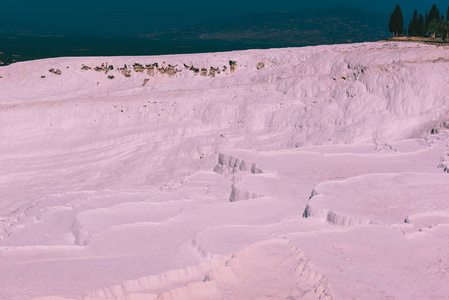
[299, 173]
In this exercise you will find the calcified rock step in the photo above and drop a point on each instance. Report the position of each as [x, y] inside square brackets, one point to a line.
[189, 176]
[444, 163]
[334, 218]
[363, 208]
[238, 195]
[210, 279]
[231, 164]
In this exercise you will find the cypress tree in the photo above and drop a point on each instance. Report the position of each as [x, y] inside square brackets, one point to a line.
[433, 19]
[413, 26]
[396, 24]
[434, 14]
[421, 28]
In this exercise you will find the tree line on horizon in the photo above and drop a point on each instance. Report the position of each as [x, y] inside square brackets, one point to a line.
[432, 24]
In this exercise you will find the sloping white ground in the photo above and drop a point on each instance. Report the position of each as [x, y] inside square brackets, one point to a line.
[315, 177]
